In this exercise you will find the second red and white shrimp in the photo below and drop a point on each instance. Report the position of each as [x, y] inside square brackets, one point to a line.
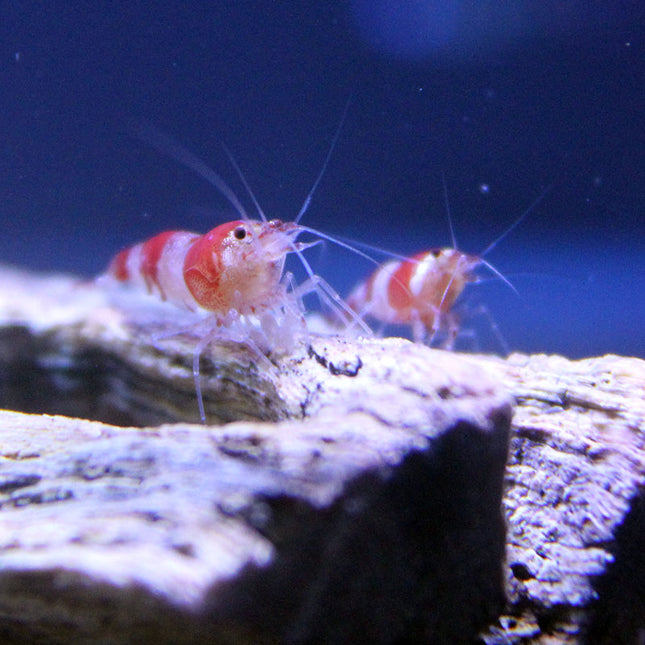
[421, 291]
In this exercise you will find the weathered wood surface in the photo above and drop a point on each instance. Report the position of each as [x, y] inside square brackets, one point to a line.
[574, 501]
[366, 508]
[358, 511]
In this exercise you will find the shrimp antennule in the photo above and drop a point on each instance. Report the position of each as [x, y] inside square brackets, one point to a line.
[167, 145]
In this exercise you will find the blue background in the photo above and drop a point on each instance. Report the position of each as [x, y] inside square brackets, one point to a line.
[515, 98]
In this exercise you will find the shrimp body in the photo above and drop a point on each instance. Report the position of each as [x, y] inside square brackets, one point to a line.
[232, 275]
[236, 266]
[419, 291]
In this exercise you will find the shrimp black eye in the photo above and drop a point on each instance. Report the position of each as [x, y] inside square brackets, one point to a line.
[239, 233]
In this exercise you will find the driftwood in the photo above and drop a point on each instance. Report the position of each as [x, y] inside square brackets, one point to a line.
[356, 497]
[574, 501]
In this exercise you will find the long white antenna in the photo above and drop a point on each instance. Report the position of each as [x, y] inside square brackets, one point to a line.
[240, 174]
[167, 145]
[453, 237]
[305, 206]
[516, 223]
[339, 242]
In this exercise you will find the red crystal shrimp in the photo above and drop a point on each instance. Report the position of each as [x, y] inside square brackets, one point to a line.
[421, 290]
[233, 272]
[233, 276]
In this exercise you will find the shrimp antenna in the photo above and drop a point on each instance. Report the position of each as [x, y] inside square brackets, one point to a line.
[495, 242]
[354, 246]
[453, 237]
[517, 222]
[345, 245]
[240, 174]
[167, 145]
[499, 274]
[305, 205]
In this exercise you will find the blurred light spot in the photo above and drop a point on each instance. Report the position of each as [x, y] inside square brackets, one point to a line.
[408, 30]
[416, 30]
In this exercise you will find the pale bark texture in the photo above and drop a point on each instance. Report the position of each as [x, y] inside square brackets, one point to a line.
[348, 491]
[574, 502]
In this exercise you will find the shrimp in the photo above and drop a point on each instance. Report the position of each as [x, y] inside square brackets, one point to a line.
[229, 282]
[236, 266]
[232, 278]
[421, 290]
